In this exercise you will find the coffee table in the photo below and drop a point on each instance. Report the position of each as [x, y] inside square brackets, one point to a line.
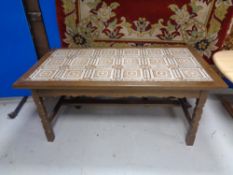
[163, 72]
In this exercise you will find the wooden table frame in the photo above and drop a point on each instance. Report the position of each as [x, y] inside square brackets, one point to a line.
[179, 90]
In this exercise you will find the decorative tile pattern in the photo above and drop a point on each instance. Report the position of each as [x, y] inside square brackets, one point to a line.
[128, 64]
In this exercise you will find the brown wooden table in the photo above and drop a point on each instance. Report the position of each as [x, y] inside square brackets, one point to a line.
[162, 73]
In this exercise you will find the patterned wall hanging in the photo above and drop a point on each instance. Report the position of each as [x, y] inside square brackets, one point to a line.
[202, 24]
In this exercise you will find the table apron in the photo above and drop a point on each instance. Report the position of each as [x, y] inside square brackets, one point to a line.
[119, 93]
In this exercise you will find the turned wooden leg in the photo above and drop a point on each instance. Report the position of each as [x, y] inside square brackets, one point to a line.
[190, 138]
[43, 116]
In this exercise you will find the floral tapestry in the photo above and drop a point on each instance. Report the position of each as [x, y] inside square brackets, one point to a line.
[202, 24]
[228, 44]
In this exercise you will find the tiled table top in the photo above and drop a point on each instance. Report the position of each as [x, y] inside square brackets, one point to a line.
[131, 64]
